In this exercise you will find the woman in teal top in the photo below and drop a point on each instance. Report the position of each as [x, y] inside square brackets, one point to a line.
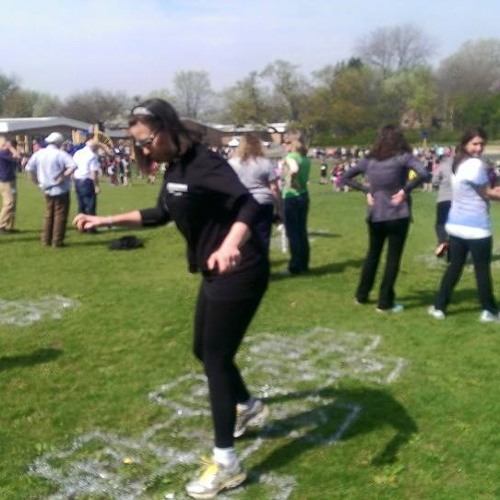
[296, 169]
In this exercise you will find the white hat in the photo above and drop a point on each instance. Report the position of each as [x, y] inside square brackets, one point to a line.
[54, 138]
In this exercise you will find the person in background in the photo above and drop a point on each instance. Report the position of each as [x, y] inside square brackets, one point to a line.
[387, 189]
[215, 212]
[295, 171]
[428, 160]
[257, 173]
[9, 157]
[469, 226]
[86, 177]
[51, 168]
[127, 172]
[323, 173]
[441, 178]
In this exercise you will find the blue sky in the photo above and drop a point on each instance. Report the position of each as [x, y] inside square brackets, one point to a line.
[136, 46]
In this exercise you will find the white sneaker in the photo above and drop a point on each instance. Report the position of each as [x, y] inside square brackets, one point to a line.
[396, 308]
[436, 313]
[214, 478]
[250, 416]
[488, 317]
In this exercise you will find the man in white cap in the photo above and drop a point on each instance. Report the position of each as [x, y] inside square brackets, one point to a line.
[51, 169]
[86, 177]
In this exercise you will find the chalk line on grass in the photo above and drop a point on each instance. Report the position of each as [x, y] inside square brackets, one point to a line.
[27, 312]
[293, 372]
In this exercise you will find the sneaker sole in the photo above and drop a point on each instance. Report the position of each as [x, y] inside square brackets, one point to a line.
[228, 485]
[258, 421]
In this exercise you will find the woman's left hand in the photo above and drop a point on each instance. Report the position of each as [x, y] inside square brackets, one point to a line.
[398, 198]
[224, 259]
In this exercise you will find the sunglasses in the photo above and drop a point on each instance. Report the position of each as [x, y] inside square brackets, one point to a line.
[146, 142]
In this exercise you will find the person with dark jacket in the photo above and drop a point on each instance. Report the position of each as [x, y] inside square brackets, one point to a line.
[9, 157]
[387, 186]
[215, 213]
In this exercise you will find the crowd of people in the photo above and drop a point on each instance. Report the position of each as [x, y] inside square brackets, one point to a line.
[225, 209]
[56, 166]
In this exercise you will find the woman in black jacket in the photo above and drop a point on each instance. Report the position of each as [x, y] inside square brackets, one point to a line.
[215, 213]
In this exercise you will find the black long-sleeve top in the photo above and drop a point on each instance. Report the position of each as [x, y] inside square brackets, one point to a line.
[203, 195]
[384, 178]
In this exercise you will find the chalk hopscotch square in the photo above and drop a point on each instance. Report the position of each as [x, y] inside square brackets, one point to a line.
[320, 355]
[187, 395]
[27, 312]
[288, 370]
[102, 464]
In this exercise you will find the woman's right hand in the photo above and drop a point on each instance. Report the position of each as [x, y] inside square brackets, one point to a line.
[398, 198]
[84, 221]
[369, 199]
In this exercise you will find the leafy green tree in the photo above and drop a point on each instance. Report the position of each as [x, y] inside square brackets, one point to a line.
[19, 103]
[290, 90]
[343, 98]
[7, 86]
[409, 96]
[248, 101]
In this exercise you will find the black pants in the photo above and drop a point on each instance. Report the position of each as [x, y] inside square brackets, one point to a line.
[481, 257]
[296, 210]
[219, 329]
[264, 223]
[395, 232]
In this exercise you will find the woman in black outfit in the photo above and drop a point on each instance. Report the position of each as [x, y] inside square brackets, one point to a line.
[387, 189]
[202, 194]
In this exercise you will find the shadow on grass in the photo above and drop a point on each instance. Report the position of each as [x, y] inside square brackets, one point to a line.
[37, 357]
[333, 268]
[425, 298]
[378, 410]
[320, 234]
[20, 235]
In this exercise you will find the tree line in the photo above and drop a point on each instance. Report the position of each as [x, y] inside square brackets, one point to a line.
[388, 79]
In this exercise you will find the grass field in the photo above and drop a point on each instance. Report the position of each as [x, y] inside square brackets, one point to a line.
[101, 397]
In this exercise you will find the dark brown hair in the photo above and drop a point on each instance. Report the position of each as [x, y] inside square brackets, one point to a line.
[468, 135]
[159, 115]
[390, 142]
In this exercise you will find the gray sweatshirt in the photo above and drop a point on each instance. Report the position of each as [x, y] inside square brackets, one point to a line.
[442, 178]
[384, 178]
